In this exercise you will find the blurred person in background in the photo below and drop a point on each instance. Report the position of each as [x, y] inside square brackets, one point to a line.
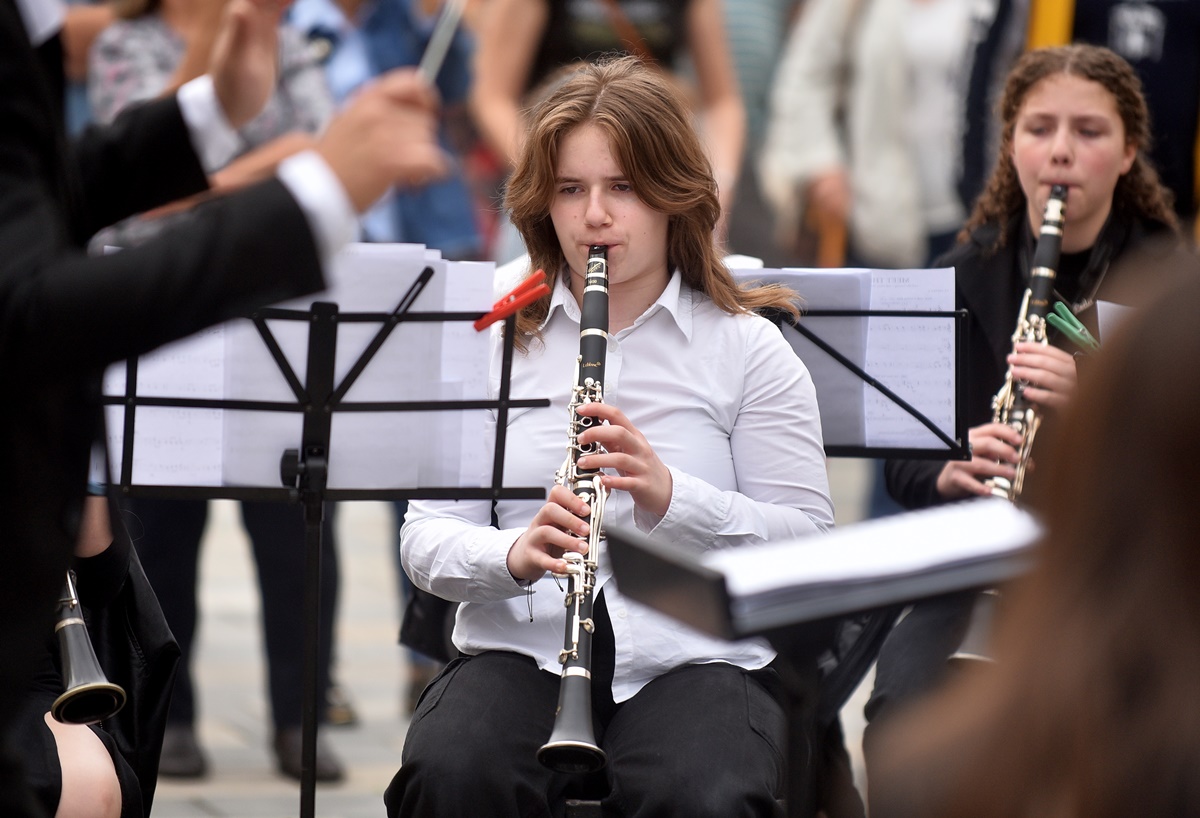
[862, 135]
[864, 122]
[84, 21]
[757, 31]
[522, 43]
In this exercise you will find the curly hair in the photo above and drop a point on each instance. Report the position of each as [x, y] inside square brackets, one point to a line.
[1138, 193]
[653, 139]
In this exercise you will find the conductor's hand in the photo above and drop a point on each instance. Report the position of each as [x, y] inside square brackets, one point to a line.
[993, 454]
[630, 455]
[549, 535]
[1048, 371]
[386, 136]
[245, 55]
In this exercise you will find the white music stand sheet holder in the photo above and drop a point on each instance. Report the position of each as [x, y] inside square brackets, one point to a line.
[419, 361]
[914, 356]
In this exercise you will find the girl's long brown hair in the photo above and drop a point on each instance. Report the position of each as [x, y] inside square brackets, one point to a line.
[1138, 193]
[652, 136]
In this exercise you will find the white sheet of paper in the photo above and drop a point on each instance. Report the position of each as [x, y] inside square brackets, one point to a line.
[900, 544]
[429, 360]
[172, 443]
[911, 356]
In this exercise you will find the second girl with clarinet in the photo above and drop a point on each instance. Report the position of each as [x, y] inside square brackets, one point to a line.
[1072, 116]
[708, 436]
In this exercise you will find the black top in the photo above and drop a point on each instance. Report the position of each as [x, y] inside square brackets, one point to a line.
[584, 30]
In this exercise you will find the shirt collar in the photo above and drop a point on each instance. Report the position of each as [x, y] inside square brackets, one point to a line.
[676, 299]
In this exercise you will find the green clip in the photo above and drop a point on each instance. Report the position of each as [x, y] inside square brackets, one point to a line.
[1065, 322]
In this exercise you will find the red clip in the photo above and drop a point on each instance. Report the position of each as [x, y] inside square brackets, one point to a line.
[528, 291]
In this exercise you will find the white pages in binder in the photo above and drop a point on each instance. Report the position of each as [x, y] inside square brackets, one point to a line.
[887, 560]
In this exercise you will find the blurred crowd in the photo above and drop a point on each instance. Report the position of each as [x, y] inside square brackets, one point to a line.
[841, 131]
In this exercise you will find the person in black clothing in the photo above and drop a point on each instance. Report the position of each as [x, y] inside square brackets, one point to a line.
[1089, 711]
[1072, 115]
[65, 316]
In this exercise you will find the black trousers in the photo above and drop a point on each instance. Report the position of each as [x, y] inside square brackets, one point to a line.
[702, 740]
[167, 536]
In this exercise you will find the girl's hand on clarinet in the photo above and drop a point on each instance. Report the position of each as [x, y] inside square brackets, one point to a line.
[551, 533]
[1049, 372]
[993, 454]
[630, 455]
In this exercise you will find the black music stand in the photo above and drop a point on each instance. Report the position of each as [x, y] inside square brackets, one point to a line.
[304, 470]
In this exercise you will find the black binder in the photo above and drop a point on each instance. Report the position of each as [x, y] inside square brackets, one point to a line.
[994, 546]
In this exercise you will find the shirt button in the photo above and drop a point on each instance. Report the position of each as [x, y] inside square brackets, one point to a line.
[621, 614]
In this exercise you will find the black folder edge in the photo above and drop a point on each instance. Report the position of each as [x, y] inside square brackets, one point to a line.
[673, 581]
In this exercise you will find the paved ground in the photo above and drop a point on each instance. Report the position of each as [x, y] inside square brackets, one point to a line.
[242, 782]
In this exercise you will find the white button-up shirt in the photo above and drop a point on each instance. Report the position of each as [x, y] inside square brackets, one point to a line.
[728, 407]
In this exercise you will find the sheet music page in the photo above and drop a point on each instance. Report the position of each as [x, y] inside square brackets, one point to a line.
[429, 360]
[466, 358]
[173, 445]
[889, 546]
[840, 394]
[913, 357]
[369, 449]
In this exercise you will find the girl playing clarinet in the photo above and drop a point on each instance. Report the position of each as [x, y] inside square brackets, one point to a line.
[709, 437]
[1071, 116]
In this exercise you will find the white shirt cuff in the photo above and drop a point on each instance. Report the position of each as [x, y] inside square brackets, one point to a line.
[214, 139]
[42, 18]
[324, 201]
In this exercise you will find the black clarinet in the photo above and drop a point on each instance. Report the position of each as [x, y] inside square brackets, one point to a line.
[1010, 406]
[572, 746]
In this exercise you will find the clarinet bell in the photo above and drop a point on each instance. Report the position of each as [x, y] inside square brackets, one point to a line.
[89, 696]
[572, 746]
[975, 646]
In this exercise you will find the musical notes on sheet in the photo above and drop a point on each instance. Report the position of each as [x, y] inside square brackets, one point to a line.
[912, 356]
[418, 361]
